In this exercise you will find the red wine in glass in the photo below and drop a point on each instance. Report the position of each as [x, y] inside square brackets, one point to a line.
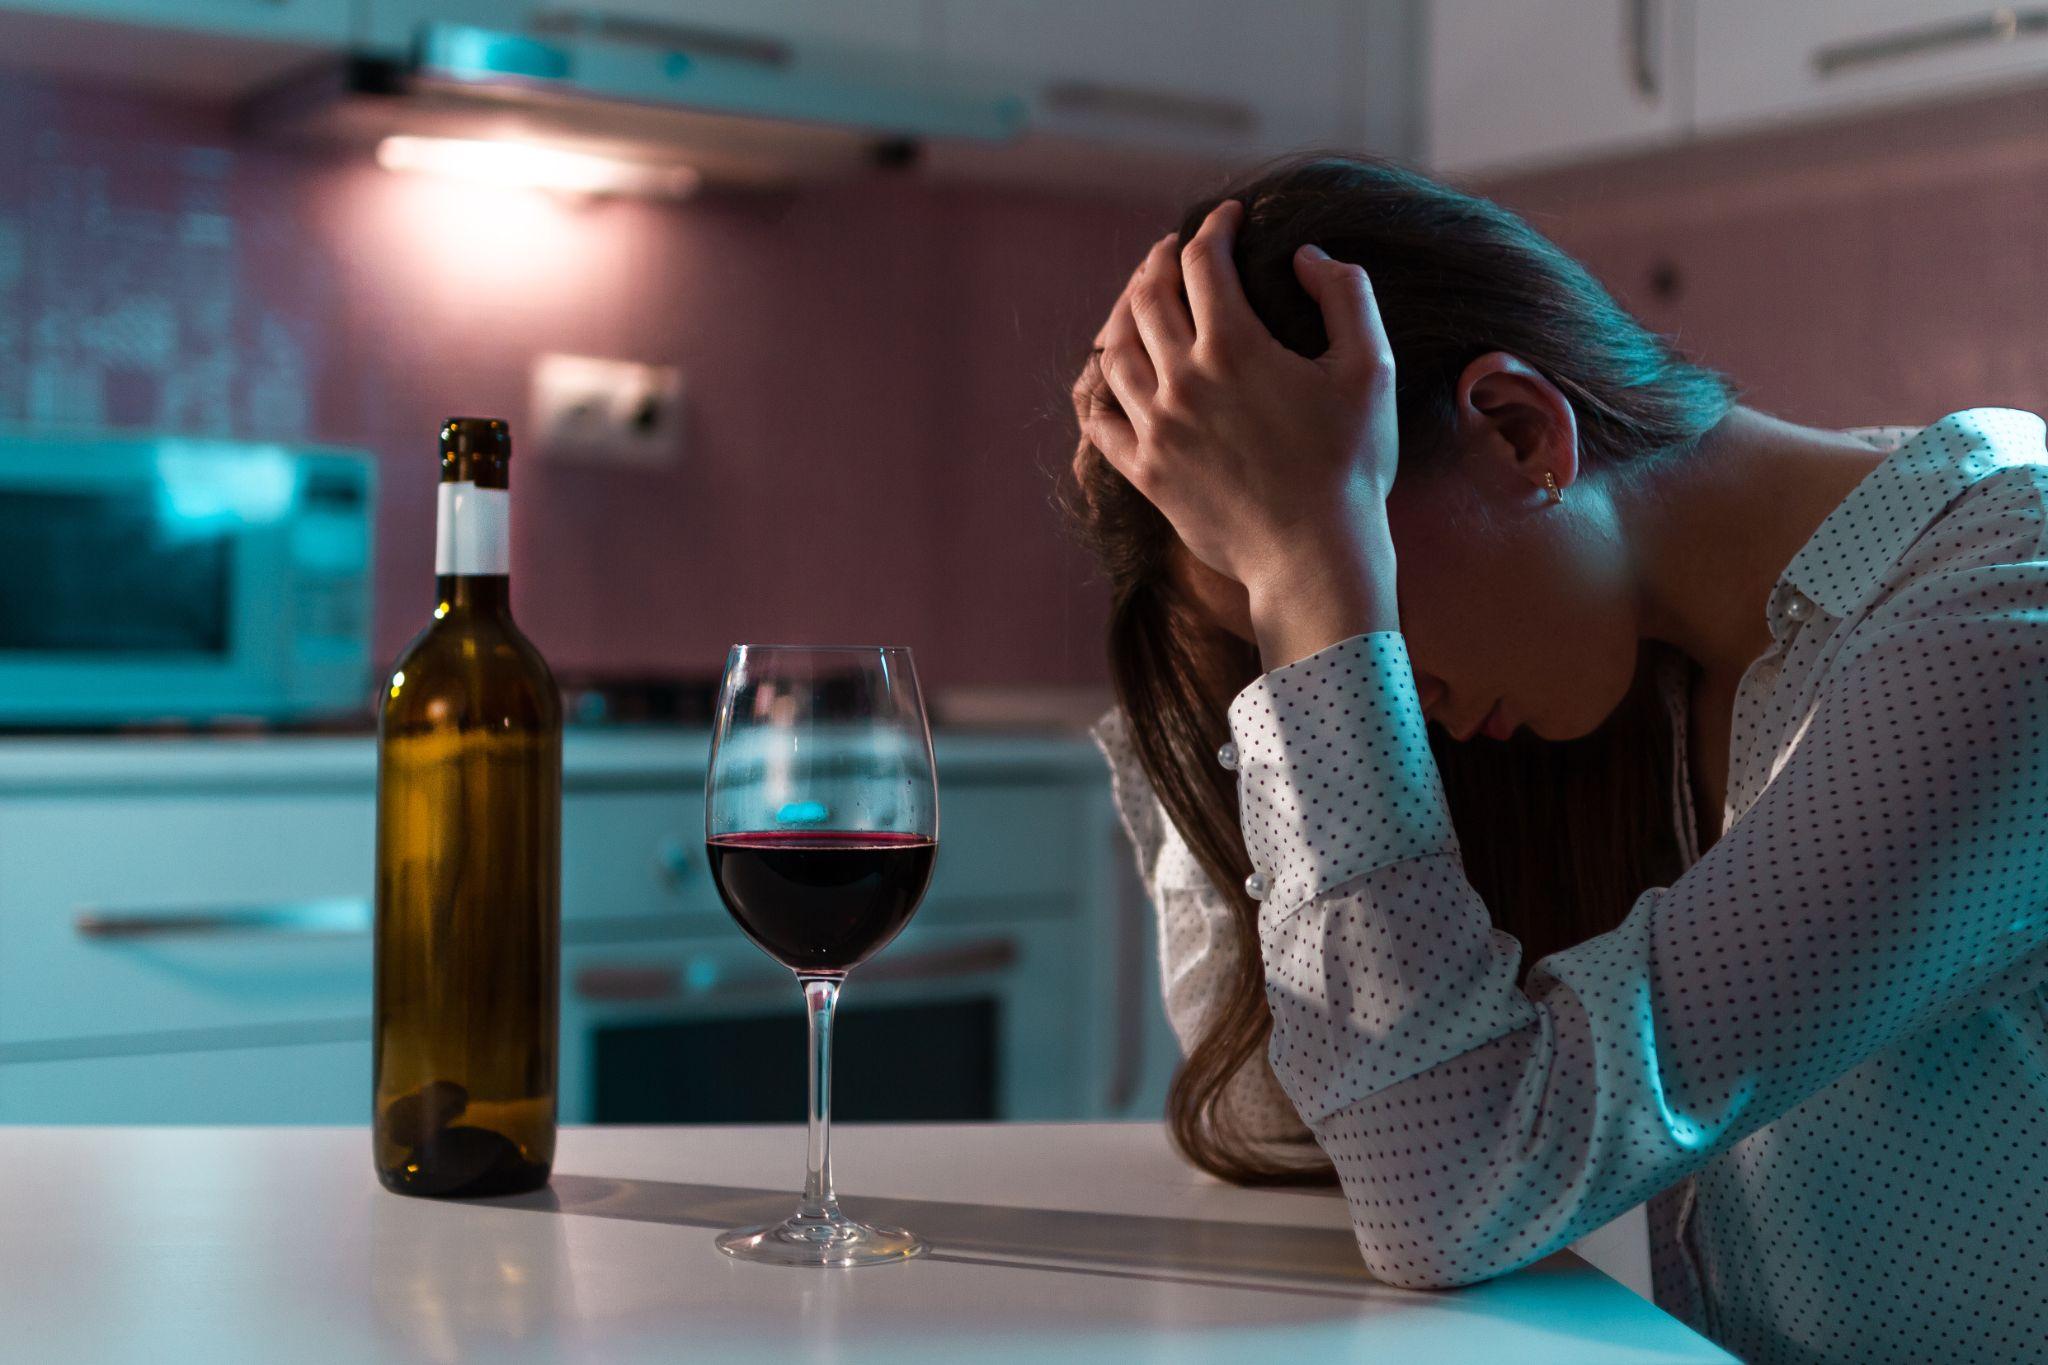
[821, 900]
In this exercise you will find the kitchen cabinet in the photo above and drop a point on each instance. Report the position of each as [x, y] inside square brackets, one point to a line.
[302, 21]
[1190, 77]
[205, 49]
[185, 926]
[182, 912]
[1512, 87]
[1762, 60]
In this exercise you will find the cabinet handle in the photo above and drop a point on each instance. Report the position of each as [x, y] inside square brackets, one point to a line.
[936, 964]
[301, 918]
[628, 983]
[673, 861]
[1641, 34]
[1202, 112]
[1995, 26]
[663, 34]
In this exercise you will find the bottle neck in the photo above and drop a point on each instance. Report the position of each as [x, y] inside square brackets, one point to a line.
[473, 546]
[473, 594]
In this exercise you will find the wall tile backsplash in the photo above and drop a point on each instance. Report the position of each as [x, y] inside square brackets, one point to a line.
[874, 374]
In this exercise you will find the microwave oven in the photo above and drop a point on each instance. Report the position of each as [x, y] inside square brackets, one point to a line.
[161, 579]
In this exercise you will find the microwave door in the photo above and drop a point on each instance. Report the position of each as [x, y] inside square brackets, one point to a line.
[137, 586]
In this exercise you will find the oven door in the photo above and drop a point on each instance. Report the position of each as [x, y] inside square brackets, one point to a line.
[956, 1024]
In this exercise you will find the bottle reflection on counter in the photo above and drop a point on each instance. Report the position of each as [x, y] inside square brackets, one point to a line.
[469, 798]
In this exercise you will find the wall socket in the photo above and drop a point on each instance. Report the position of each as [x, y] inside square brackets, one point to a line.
[607, 411]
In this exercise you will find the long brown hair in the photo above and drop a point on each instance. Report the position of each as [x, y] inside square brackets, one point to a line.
[1559, 839]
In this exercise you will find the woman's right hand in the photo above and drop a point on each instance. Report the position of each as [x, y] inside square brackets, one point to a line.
[1272, 467]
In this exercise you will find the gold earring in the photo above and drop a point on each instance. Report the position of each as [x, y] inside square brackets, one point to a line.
[1550, 482]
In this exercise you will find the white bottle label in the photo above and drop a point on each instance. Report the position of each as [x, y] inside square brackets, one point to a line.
[474, 532]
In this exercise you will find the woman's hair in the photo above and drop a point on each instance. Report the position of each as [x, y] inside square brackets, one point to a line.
[1559, 838]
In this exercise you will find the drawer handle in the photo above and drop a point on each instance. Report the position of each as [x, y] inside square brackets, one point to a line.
[1993, 26]
[673, 862]
[938, 964]
[314, 918]
[1641, 31]
[628, 983]
[1205, 113]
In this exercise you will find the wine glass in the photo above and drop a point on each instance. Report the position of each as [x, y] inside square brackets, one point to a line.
[821, 823]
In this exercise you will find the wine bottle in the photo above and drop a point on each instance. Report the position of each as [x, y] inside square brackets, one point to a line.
[469, 808]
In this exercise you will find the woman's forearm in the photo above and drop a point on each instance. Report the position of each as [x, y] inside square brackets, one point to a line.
[1718, 1004]
[1331, 588]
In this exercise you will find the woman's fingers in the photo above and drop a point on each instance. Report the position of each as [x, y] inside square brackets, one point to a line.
[1125, 366]
[1103, 424]
[1163, 321]
[1123, 296]
[1215, 296]
[1351, 315]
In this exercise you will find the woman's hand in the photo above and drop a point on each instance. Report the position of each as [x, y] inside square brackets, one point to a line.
[1272, 468]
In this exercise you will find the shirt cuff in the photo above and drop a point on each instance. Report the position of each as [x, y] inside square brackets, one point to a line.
[1335, 778]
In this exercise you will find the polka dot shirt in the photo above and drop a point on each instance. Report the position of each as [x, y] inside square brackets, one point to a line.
[1821, 1053]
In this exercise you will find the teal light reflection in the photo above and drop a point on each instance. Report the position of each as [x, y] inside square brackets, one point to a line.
[202, 489]
[801, 813]
[1687, 1133]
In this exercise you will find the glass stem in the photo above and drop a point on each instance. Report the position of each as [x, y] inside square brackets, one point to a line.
[821, 997]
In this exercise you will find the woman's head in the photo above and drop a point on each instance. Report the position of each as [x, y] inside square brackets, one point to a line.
[1510, 362]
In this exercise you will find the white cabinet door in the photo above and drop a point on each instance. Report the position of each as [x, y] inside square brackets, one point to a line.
[132, 916]
[1514, 86]
[308, 21]
[1166, 72]
[1761, 60]
[892, 26]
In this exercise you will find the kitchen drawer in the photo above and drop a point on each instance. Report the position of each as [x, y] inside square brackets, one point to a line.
[1007, 843]
[142, 915]
[326, 1082]
[637, 857]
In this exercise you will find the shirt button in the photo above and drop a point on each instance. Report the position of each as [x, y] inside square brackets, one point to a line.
[1258, 886]
[1799, 606]
[1227, 755]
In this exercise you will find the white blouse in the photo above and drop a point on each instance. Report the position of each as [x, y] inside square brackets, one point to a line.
[1821, 1053]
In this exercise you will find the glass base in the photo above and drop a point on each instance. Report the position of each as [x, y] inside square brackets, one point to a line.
[833, 1239]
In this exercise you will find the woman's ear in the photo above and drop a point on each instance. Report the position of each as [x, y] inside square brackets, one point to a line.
[1508, 410]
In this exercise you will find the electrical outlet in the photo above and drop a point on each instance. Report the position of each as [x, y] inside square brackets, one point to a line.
[607, 411]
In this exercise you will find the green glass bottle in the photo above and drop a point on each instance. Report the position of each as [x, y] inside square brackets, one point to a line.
[469, 810]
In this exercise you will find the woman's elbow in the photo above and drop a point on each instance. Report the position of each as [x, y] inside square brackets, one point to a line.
[1408, 1261]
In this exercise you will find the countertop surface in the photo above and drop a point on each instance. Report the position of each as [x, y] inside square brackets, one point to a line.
[1068, 1242]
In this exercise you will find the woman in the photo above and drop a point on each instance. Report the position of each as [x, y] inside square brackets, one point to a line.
[1637, 798]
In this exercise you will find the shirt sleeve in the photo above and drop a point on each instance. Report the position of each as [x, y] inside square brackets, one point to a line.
[1198, 953]
[1894, 867]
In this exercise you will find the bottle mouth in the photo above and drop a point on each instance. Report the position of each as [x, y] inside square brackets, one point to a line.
[489, 437]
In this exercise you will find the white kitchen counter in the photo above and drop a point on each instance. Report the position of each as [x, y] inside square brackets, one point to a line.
[1067, 1242]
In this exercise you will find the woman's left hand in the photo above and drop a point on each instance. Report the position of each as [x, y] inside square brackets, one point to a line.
[1273, 468]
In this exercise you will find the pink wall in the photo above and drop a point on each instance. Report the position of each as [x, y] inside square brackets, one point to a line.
[875, 375]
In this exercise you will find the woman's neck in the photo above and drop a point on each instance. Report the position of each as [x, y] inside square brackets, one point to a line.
[1710, 535]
